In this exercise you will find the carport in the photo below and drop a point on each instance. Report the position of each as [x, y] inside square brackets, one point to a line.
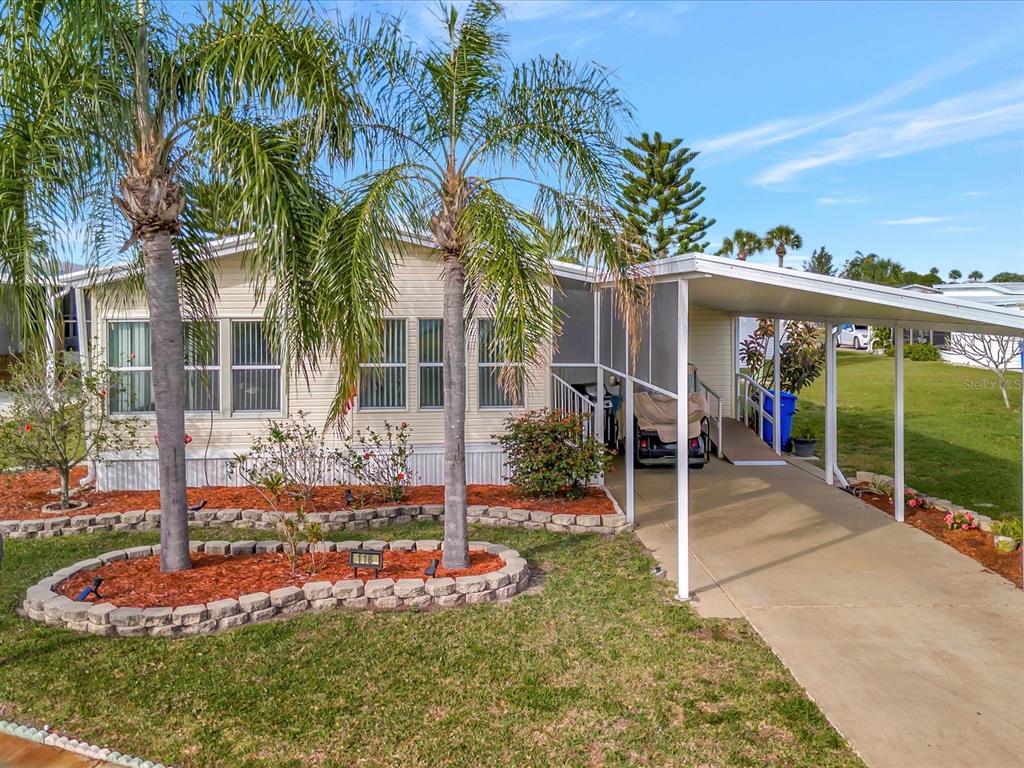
[695, 303]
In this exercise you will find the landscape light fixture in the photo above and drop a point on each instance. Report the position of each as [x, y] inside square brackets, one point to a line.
[366, 558]
[93, 590]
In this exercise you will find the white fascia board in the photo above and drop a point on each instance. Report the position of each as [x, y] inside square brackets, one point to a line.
[841, 288]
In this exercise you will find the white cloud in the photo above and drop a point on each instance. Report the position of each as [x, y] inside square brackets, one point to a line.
[782, 130]
[978, 193]
[979, 114]
[841, 200]
[913, 221]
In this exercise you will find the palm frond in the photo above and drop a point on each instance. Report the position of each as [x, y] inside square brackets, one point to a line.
[508, 274]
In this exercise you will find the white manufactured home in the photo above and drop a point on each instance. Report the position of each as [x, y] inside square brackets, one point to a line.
[695, 307]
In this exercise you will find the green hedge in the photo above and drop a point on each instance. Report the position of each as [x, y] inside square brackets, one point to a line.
[920, 352]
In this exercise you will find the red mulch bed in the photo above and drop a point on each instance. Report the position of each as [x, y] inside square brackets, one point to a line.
[22, 494]
[976, 544]
[140, 583]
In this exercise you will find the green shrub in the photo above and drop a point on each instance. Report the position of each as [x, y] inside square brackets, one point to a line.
[918, 352]
[1012, 527]
[922, 352]
[548, 453]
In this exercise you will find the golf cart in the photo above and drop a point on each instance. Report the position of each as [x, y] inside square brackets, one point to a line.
[654, 427]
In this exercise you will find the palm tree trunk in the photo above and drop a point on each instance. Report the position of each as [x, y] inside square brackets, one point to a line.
[168, 356]
[456, 543]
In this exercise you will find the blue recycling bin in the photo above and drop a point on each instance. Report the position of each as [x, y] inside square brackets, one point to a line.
[785, 419]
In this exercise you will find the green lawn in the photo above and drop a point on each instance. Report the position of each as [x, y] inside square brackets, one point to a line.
[961, 442]
[598, 668]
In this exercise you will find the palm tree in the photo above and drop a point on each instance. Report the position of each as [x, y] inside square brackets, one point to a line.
[456, 126]
[975, 276]
[782, 238]
[217, 126]
[954, 275]
[743, 242]
[872, 268]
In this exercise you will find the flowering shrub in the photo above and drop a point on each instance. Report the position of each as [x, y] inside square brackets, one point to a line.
[549, 453]
[914, 500]
[961, 521]
[380, 459]
[58, 417]
[289, 460]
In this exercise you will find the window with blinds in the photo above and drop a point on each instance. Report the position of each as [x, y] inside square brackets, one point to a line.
[431, 364]
[382, 379]
[491, 360]
[128, 355]
[255, 368]
[202, 366]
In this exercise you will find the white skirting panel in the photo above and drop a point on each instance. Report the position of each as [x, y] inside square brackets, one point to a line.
[485, 463]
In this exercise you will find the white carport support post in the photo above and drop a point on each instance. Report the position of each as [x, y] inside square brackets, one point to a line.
[898, 496]
[777, 388]
[682, 454]
[626, 390]
[831, 441]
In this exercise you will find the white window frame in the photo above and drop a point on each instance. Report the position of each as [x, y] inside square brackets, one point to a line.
[232, 368]
[420, 364]
[215, 392]
[496, 365]
[405, 391]
[151, 413]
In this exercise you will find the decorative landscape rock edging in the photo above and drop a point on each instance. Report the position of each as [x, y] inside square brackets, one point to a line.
[74, 745]
[43, 603]
[348, 519]
[943, 505]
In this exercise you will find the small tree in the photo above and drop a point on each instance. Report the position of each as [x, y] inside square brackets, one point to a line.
[801, 355]
[975, 276]
[58, 416]
[289, 460]
[820, 262]
[992, 352]
[380, 459]
[549, 453]
[954, 275]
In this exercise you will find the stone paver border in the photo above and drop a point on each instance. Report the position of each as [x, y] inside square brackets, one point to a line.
[43, 603]
[348, 519]
[110, 756]
[943, 505]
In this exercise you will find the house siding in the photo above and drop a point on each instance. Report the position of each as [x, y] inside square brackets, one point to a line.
[711, 350]
[218, 436]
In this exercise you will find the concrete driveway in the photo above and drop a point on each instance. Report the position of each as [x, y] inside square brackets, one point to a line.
[912, 650]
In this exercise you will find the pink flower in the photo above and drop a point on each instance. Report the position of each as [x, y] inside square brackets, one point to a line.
[966, 527]
[28, 427]
[188, 439]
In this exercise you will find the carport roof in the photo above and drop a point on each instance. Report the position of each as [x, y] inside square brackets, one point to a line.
[758, 290]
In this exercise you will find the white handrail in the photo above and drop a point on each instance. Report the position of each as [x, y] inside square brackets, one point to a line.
[746, 401]
[716, 420]
[565, 398]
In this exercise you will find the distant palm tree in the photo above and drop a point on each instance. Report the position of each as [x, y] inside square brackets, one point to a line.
[975, 276]
[743, 243]
[872, 268]
[954, 275]
[782, 238]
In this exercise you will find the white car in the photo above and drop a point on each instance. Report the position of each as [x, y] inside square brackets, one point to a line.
[856, 336]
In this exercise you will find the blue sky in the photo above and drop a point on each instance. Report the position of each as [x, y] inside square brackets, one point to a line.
[896, 128]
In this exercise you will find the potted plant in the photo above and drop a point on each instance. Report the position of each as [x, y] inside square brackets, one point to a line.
[1007, 534]
[805, 440]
